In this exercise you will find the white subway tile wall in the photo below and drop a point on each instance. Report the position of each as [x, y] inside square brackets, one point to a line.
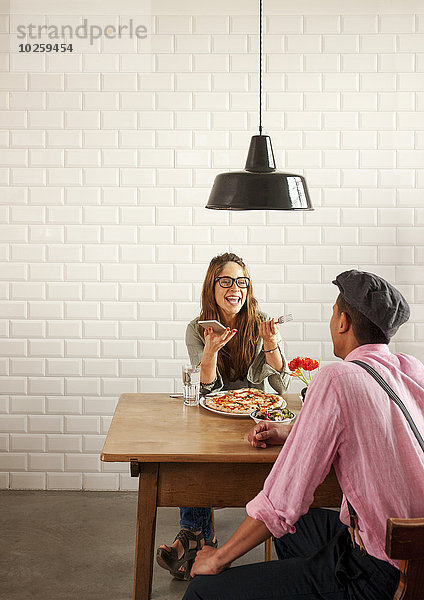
[107, 156]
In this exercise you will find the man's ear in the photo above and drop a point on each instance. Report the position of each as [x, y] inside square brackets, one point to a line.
[344, 323]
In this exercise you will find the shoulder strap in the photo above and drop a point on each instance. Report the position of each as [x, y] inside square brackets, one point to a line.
[394, 397]
[354, 528]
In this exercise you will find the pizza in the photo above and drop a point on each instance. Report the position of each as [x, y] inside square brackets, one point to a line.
[243, 401]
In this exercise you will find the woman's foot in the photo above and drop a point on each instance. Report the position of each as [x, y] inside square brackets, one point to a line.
[179, 557]
[212, 541]
[181, 574]
[177, 545]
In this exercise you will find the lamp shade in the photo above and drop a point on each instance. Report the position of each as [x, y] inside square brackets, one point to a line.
[260, 186]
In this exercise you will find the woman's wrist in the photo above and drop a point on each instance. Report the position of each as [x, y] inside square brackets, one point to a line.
[209, 358]
[271, 350]
[208, 367]
[270, 343]
[208, 383]
[208, 374]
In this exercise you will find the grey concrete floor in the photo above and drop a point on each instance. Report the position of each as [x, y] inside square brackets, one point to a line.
[80, 545]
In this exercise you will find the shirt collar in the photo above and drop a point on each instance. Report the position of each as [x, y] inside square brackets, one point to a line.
[367, 349]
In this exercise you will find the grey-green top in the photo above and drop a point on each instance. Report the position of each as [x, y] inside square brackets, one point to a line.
[259, 374]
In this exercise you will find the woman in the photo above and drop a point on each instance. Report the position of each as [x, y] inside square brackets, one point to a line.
[248, 354]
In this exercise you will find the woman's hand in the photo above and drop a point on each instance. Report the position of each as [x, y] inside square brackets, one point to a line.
[207, 562]
[268, 331]
[215, 341]
[265, 432]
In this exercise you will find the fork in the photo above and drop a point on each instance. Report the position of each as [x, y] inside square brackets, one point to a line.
[284, 318]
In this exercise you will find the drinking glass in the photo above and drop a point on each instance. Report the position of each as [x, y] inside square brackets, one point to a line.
[191, 385]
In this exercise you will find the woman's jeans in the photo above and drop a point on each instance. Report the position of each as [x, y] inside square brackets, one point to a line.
[197, 519]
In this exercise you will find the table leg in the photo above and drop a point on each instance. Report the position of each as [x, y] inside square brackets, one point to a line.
[146, 526]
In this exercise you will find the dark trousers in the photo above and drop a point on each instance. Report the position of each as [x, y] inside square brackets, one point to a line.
[316, 562]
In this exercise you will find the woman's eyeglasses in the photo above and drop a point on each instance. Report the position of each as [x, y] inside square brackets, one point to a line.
[227, 282]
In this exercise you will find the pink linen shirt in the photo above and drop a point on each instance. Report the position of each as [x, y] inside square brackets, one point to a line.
[350, 422]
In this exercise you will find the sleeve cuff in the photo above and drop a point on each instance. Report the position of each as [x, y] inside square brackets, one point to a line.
[261, 370]
[214, 386]
[262, 509]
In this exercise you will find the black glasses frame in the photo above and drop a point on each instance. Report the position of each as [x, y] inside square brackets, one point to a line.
[233, 280]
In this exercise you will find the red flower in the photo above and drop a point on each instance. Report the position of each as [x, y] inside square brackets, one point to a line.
[309, 365]
[295, 363]
[302, 362]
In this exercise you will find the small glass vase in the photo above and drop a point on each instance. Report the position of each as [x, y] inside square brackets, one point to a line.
[302, 394]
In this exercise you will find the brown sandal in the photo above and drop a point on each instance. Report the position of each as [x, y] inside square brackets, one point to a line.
[168, 559]
[181, 573]
[212, 542]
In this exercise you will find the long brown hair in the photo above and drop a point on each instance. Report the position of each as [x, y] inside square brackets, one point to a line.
[235, 357]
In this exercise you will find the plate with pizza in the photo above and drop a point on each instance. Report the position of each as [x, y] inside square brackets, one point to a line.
[240, 403]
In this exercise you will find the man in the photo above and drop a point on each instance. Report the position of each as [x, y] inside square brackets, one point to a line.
[347, 421]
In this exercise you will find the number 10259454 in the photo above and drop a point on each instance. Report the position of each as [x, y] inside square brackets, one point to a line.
[45, 48]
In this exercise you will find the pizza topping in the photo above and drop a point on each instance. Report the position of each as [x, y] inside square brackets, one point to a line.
[243, 401]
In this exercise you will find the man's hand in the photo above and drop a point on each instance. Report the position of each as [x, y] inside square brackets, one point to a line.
[207, 562]
[266, 433]
[210, 561]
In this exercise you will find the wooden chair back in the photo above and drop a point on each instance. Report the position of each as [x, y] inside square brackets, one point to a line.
[405, 542]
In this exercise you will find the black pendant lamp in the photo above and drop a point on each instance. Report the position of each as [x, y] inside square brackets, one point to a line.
[260, 186]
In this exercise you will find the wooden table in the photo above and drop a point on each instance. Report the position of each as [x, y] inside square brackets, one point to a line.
[188, 456]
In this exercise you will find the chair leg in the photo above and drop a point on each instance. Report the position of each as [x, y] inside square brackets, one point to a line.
[268, 549]
[213, 519]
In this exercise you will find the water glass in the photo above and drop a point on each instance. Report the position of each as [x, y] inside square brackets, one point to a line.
[191, 385]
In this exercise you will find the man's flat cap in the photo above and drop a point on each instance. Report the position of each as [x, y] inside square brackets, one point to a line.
[375, 298]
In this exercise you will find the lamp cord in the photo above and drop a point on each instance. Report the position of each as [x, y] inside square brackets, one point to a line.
[260, 67]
